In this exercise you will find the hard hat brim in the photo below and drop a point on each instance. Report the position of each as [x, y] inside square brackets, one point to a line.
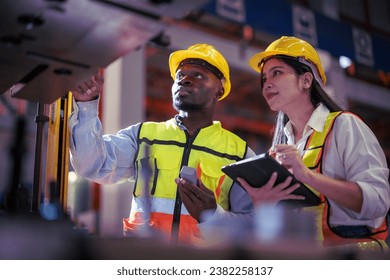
[178, 56]
[254, 61]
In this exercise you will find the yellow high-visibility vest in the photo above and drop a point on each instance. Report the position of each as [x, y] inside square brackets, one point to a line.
[314, 150]
[163, 149]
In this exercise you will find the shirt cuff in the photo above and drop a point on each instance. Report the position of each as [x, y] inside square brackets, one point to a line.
[211, 215]
[87, 109]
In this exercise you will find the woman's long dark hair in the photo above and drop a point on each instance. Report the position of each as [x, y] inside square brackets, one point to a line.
[317, 96]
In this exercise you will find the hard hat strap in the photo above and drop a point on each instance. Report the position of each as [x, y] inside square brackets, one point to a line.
[203, 63]
[313, 69]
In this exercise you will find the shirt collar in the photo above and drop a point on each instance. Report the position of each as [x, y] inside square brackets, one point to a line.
[318, 118]
[316, 121]
[179, 122]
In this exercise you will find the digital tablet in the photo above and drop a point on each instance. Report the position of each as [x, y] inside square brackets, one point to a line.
[258, 169]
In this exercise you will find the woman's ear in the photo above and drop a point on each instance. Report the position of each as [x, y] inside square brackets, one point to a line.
[307, 80]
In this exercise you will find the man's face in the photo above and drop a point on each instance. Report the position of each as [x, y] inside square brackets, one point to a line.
[195, 88]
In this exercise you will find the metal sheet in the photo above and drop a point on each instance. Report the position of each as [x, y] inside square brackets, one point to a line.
[156, 8]
[49, 46]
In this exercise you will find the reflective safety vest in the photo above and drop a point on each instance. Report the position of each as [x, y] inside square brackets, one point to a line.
[163, 148]
[375, 238]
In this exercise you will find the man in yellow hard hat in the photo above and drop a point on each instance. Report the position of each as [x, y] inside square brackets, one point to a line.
[153, 153]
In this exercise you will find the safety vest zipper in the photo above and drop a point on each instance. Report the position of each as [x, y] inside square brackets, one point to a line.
[178, 201]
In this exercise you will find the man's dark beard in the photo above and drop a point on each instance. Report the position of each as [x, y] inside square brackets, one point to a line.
[178, 105]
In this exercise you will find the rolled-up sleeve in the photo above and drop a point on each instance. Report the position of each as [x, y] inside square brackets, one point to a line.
[241, 210]
[357, 156]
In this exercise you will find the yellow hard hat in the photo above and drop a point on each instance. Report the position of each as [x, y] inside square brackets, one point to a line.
[206, 53]
[294, 47]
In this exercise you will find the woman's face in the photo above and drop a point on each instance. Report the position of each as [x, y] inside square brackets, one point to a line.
[282, 87]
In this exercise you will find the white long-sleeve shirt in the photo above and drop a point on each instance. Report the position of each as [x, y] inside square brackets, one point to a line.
[352, 154]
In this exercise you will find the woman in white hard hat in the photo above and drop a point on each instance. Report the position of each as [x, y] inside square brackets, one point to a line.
[331, 151]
